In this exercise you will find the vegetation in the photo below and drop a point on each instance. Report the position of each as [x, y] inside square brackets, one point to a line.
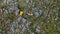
[45, 18]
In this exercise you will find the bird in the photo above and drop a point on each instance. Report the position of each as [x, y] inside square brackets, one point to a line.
[21, 12]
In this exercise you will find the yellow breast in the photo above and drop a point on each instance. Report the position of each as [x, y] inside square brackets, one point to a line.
[21, 13]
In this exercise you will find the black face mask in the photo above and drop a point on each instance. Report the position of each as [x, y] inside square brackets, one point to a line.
[20, 10]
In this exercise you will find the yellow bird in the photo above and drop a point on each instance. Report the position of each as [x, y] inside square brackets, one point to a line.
[21, 12]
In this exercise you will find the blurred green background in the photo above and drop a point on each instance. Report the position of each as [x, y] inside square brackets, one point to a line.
[45, 19]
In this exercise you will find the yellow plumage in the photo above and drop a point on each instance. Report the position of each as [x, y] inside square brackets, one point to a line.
[21, 13]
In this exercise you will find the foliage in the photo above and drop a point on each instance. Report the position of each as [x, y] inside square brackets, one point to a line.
[45, 19]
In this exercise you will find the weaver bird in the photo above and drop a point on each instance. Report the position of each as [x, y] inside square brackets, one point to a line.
[21, 12]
